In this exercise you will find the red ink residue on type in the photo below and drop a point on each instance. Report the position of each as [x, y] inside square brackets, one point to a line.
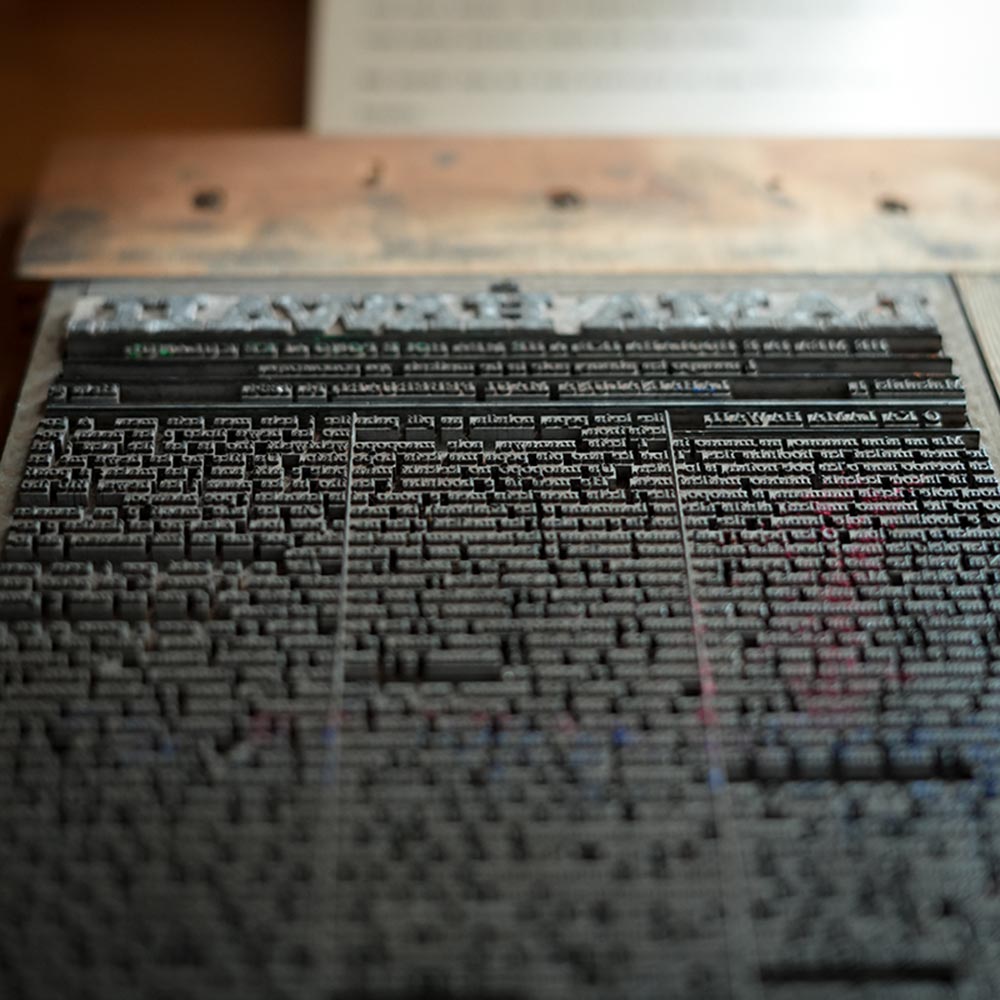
[836, 686]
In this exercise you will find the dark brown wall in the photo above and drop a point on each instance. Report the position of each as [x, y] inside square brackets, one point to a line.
[72, 67]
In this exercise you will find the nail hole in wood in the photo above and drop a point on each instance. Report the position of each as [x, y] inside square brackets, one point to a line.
[208, 199]
[373, 177]
[565, 198]
[892, 205]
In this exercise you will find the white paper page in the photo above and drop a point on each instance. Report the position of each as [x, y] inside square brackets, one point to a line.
[779, 67]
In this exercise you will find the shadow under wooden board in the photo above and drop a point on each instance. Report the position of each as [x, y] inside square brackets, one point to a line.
[289, 204]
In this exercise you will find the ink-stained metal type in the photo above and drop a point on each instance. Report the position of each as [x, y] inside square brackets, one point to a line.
[524, 641]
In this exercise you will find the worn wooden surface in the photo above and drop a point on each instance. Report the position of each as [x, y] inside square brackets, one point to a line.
[980, 294]
[290, 204]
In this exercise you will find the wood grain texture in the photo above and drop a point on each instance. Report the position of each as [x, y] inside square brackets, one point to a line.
[980, 294]
[290, 204]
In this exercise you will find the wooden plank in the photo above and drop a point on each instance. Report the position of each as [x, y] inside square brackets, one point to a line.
[980, 296]
[290, 204]
[44, 365]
